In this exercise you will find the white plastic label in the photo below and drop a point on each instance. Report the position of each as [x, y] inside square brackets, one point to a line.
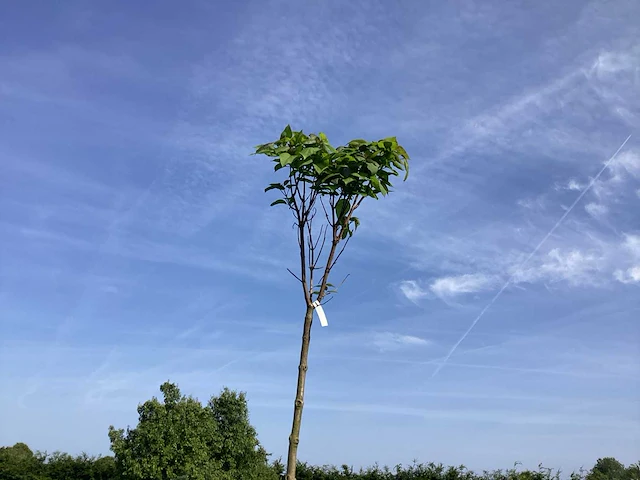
[320, 312]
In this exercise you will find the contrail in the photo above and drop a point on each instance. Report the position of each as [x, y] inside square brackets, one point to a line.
[535, 250]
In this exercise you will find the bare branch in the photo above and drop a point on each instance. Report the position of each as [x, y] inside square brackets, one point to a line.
[315, 244]
[326, 301]
[294, 275]
[344, 245]
[311, 249]
[326, 214]
[303, 260]
[324, 239]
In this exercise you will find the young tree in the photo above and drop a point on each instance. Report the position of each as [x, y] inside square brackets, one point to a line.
[338, 179]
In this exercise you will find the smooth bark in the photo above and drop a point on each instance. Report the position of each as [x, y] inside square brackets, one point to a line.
[294, 438]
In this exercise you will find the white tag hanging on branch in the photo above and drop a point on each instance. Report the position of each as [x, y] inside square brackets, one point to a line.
[320, 312]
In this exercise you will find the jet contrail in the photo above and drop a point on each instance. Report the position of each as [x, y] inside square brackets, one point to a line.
[535, 250]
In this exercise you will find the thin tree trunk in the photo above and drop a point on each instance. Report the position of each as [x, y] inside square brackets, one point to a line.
[294, 438]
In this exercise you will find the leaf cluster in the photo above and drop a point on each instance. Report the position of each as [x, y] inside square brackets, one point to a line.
[340, 178]
[358, 169]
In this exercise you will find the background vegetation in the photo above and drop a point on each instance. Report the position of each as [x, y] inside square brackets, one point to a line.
[181, 439]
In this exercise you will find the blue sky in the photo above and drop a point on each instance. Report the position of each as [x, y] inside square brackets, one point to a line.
[137, 245]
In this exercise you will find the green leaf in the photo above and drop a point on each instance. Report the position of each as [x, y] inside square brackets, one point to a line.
[375, 181]
[309, 151]
[266, 148]
[286, 133]
[372, 167]
[285, 159]
[278, 202]
[320, 163]
[342, 208]
[299, 137]
[279, 186]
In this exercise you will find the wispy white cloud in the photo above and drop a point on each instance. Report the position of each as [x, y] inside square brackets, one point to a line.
[412, 290]
[596, 210]
[575, 186]
[470, 283]
[631, 275]
[387, 341]
[623, 171]
[616, 74]
[516, 123]
[539, 202]
[629, 162]
[631, 246]
[573, 266]
[448, 287]
[595, 263]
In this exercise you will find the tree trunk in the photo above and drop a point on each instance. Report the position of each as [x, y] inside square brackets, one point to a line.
[294, 438]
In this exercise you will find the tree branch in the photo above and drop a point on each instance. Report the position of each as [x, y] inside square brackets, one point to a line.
[346, 242]
[310, 247]
[294, 275]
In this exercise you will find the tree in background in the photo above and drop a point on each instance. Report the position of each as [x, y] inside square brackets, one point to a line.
[181, 439]
[633, 471]
[339, 179]
[608, 468]
[104, 468]
[240, 450]
[20, 463]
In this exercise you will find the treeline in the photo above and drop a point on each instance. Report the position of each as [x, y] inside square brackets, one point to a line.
[604, 469]
[20, 463]
[181, 439]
